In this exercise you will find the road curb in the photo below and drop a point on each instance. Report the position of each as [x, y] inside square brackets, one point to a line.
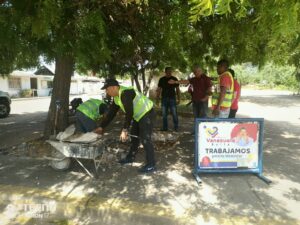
[54, 202]
[33, 98]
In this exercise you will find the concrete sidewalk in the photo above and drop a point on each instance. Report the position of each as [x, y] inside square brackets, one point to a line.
[170, 196]
[43, 196]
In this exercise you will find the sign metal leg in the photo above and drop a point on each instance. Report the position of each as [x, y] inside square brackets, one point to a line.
[262, 177]
[197, 177]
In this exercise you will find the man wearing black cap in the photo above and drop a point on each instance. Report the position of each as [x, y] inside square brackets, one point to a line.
[138, 108]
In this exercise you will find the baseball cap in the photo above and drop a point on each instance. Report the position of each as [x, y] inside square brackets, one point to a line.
[110, 82]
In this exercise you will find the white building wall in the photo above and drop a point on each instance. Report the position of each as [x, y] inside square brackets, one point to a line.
[77, 84]
[25, 83]
[5, 87]
[74, 88]
[39, 82]
[92, 87]
[13, 92]
[3, 84]
[43, 91]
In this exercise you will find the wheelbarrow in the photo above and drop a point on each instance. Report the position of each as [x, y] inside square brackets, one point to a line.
[63, 153]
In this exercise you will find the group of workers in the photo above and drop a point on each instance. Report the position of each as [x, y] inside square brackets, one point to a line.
[225, 96]
[139, 112]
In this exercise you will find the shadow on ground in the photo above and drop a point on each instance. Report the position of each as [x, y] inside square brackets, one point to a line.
[19, 128]
[170, 196]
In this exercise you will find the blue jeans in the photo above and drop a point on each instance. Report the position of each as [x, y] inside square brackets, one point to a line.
[83, 123]
[200, 109]
[166, 104]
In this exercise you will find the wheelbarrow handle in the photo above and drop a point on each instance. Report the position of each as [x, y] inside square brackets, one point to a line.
[130, 135]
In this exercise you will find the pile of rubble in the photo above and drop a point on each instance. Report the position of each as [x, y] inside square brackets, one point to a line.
[117, 150]
[164, 141]
[114, 150]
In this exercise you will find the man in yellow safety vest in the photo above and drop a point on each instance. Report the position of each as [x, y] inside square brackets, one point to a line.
[88, 114]
[223, 95]
[139, 111]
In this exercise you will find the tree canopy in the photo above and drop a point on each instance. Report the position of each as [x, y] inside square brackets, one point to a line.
[251, 31]
[130, 36]
[113, 36]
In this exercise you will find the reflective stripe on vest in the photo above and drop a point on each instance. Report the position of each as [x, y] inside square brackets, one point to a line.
[227, 101]
[90, 108]
[141, 104]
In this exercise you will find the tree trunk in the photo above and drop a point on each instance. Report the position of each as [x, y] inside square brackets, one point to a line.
[146, 89]
[136, 79]
[64, 69]
[143, 79]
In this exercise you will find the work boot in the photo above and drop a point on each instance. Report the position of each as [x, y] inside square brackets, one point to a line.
[126, 160]
[147, 169]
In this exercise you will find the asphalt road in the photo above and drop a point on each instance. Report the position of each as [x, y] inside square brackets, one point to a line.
[26, 121]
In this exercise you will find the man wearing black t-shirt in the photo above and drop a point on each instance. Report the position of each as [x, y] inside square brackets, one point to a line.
[168, 100]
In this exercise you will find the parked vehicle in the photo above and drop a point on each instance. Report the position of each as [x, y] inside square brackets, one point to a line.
[5, 102]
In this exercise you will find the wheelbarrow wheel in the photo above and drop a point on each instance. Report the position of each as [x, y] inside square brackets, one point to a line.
[61, 162]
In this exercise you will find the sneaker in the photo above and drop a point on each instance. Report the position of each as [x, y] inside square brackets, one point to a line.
[163, 129]
[147, 169]
[126, 160]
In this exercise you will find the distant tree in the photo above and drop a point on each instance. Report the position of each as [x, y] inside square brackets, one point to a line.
[248, 31]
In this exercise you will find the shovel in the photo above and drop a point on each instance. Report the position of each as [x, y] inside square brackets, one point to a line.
[58, 106]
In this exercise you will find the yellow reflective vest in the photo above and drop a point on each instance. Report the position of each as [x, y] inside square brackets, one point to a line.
[141, 104]
[90, 108]
[227, 101]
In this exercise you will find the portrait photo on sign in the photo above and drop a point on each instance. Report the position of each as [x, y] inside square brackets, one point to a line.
[245, 134]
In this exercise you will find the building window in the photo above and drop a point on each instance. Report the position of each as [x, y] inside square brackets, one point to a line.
[46, 84]
[14, 83]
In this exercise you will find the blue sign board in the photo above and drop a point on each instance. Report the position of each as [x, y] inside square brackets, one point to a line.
[229, 146]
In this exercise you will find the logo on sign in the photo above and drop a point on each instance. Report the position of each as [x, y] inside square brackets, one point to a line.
[211, 132]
